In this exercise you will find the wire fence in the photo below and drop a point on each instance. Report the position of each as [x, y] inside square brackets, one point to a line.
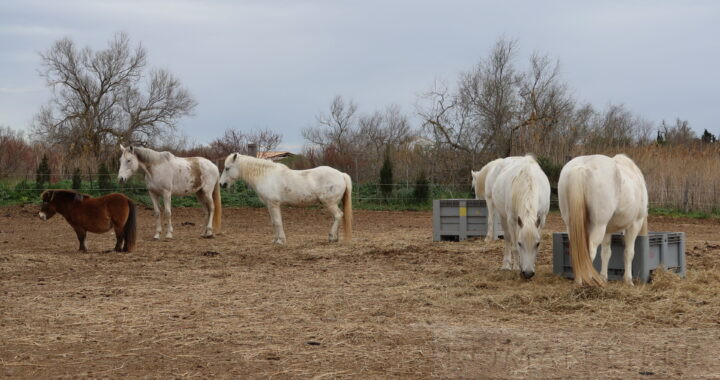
[16, 188]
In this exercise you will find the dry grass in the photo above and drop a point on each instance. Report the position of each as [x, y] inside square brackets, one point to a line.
[681, 177]
[391, 304]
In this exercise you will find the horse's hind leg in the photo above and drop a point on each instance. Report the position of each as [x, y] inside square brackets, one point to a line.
[605, 253]
[207, 202]
[337, 218]
[276, 219]
[630, 234]
[158, 215]
[119, 237]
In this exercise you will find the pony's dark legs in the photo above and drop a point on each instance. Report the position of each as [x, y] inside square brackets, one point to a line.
[119, 238]
[81, 238]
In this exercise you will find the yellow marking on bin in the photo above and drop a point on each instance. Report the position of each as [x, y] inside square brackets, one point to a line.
[463, 211]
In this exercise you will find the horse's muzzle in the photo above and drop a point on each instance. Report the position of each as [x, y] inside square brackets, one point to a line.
[121, 180]
[42, 215]
[527, 274]
[224, 185]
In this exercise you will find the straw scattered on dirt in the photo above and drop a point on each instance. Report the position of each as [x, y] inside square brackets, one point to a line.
[392, 303]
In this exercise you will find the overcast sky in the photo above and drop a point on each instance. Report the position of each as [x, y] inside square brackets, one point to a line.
[276, 64]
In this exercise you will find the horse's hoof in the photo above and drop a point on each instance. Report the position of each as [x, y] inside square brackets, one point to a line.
[156, 237]
[629, 282]
[208, 236]
[332, 239]
[505, 267]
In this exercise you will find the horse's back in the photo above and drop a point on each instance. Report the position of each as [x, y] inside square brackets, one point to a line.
[613, 188]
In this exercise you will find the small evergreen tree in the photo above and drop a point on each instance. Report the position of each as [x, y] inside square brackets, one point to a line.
[708, 137]
[660, 139]
[104, 182]
[421, 193]
[77, 179]
[386, 176]
[42, 175]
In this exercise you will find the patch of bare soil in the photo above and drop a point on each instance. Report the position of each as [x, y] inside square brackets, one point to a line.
[391, 303]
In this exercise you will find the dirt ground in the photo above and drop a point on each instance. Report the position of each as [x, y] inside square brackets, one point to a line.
[390, 304]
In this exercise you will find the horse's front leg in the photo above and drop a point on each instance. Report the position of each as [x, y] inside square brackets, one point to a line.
[158, 216]
[167, 204]
[507, 256]
[276, 219]
[81, 233]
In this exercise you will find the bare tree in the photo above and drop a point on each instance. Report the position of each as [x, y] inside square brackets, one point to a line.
[265, 139]
[335, 128]
[98, 100]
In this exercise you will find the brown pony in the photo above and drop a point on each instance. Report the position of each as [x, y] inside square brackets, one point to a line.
[97, 215]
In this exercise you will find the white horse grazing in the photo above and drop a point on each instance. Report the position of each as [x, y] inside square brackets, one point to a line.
[167, 175]
[598, 196]
[277, 185]
[482, 182]
[521, 197]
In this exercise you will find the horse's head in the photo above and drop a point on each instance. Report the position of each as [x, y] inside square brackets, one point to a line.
[231, 172]
[128, 163]
[48, 208]
[528, 242]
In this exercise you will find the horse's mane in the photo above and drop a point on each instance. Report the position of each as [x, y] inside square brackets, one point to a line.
[524, 192]
[149, 156]
[253, 168]
[49, 194]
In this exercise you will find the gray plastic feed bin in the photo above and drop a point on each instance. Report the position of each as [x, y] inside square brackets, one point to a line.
[459, 219]
[666, 249]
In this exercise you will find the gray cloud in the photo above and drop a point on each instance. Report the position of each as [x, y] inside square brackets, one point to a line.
[276, 64]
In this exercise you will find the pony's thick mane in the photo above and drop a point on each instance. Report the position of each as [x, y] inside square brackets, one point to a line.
[149, 156]
[524, 193]
[253, 168]
[62, 194]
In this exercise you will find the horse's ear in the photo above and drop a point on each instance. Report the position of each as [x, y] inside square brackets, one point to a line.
[132, 149]
[52, 195]
[520, 222]
[122, 148]
[234, 157]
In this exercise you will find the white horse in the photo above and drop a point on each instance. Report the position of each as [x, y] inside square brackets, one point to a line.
[521, 197]
[277, 185]
[598, 196]
[167, 175]
[482, 182]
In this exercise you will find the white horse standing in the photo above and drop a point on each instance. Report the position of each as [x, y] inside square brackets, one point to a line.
[167, 175]
[521, 197]
[277, 185]
[482, 182]
[598, 196]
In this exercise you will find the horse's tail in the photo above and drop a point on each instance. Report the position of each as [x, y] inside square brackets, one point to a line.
[130, 229]
[347, 208]
[578, 229]
[217, 214]
[644, 230]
